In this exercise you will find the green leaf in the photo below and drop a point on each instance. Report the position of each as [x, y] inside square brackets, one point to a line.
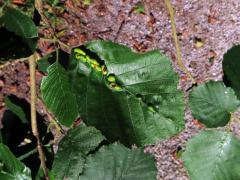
[213, 155]
[19, 23]
[211, 103]
[57, 95]
[73, 148]
[120, 163]
[17, 110]
[231, 68]
[28, 8]
[13, 168]
[147, 107]
[19, 35]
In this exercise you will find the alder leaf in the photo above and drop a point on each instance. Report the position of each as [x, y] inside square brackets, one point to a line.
[120, 163]
[213, 155]
[212, 102]
[146, 107]
[12, 168]
[73, 149]
[57, 95]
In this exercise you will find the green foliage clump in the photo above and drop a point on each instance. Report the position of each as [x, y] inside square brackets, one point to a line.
[122, 96]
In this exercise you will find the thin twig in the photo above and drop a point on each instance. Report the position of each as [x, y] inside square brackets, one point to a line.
[32, 69]
[178, 50]
[54, 122]
[50, 117]
[47, 39]
[20, 158]
[39, 7]
[57, 55]
[3, 65]
[57, 41]
[64, 45]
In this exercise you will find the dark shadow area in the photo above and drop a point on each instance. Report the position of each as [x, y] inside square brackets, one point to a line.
[12, 46]
[36, 17]
[226, 81]
[19, 138]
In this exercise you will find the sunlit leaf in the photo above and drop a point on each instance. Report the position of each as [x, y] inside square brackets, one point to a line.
[73, 148]
[147, 107]
[211, 103]
[213, 155]
[58, 96]
[120, 163]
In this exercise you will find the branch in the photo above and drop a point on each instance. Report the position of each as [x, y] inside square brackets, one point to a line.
[32, 68]
[178, 50]
[5, 64]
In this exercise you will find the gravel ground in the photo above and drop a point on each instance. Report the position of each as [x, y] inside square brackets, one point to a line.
[206, 29]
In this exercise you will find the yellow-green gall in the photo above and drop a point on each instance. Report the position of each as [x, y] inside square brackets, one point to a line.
[151, 109]
[88, 59]
[111, 79]
[94, 61]
[79, 51]
[117, 88]
[80, 57]
[98, 68]
[104, 70]
[112, 85]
